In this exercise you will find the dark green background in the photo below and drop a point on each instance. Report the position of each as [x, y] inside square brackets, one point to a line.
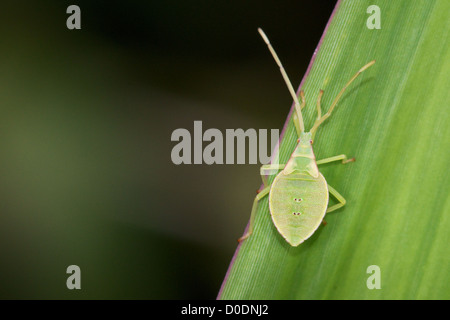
[86, 118]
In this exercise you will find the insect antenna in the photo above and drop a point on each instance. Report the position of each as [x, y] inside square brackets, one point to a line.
[286, 79]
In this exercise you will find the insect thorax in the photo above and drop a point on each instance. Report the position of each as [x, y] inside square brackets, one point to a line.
[302, 159]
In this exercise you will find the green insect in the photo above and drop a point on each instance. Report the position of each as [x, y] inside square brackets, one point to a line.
[298, 196]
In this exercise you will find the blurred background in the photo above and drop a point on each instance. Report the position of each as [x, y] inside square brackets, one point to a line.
[86, 118]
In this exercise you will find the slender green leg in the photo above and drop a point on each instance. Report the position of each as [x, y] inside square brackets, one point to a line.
[302, 96]
[268, 169]
[258, 197]
[339, 197]
[336, 100]
[319, 110]
[342, 157]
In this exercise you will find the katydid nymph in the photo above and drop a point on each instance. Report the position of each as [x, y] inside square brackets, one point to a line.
[298, 196]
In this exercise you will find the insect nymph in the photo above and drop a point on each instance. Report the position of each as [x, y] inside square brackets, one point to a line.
[298, 196]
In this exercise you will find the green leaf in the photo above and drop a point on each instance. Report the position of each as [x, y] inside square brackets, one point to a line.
[395, 120]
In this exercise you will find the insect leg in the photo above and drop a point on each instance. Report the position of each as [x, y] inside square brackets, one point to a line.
[302, 96]
[342, 157]
[338, 97]
[270, 169]
[319, 110]
[258, 197]
[339, 197]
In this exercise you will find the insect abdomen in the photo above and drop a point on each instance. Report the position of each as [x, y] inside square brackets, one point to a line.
[297, 205]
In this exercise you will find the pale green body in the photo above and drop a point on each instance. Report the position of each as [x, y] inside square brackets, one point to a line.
[298, 196]
[297, 221]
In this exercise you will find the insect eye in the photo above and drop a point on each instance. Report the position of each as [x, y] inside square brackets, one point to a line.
[310, 141]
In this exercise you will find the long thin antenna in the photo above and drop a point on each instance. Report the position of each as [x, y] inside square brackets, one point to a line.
[286, 79]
